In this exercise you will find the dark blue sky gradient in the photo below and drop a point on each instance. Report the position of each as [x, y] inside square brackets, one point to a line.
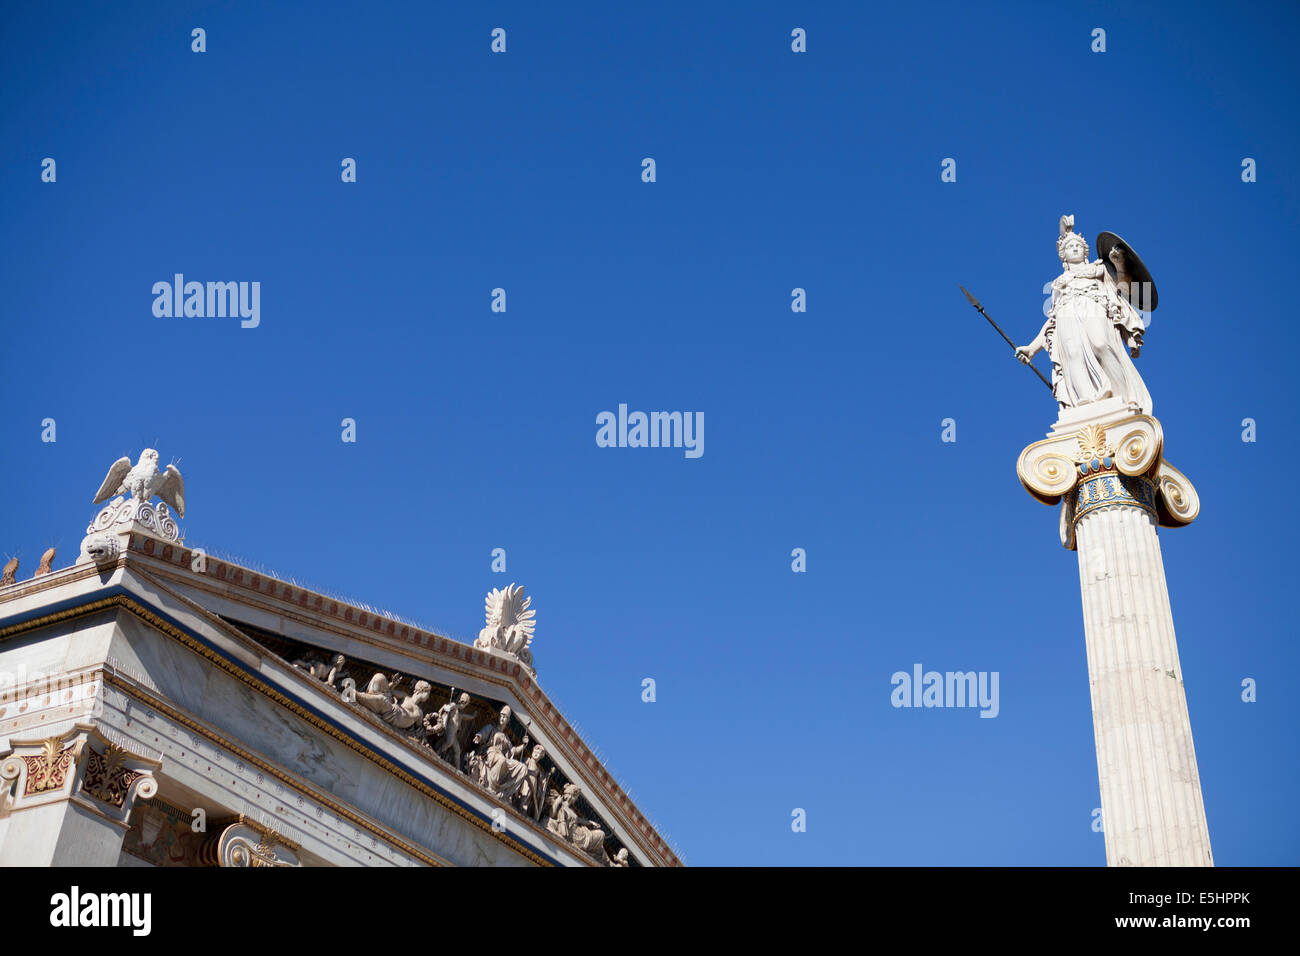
[476, 430]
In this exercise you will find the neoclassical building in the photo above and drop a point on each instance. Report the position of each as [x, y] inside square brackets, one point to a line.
[161, 707]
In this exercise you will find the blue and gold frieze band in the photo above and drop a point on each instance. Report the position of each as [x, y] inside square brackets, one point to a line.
[1119, 464]
[1112, 490]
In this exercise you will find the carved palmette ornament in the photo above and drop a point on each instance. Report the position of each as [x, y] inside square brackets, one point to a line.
[48, 769]
[1093, 444]
[509, 624]
[108, 780]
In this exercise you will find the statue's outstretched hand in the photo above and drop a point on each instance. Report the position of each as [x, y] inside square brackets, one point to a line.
[1026, 353]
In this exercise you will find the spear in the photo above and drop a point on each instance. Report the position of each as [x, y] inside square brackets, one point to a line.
[980, 309]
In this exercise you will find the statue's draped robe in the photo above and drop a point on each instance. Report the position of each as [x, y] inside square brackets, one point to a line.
[504, 774]
[1092, 330]
[567, 824]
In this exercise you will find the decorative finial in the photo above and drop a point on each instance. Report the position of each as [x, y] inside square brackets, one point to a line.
[10, 572]
[136, 511]
[509, 624]
[47, 563]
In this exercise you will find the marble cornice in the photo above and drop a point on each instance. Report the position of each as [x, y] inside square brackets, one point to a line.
[57, 579]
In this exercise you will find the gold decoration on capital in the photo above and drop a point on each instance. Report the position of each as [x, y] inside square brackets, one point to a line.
[48, 769]
[106, 778]
[1093, 444]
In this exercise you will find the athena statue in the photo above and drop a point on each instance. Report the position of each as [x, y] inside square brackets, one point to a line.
[1092, 332]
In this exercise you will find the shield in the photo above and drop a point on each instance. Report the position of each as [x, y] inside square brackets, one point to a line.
[1142, 288]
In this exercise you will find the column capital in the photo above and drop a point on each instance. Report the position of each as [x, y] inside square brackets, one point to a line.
[79, 765]
[245, 841]
[1110, 462]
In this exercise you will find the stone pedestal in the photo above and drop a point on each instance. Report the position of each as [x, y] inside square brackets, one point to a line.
[1114, 489]
[106, 536]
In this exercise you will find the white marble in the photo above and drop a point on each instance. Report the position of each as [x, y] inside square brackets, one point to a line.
[318, 768]
[1113, 486]
[509, 624]
[143, 482]
[1092, 332]
[324, 764]
[1152, 808]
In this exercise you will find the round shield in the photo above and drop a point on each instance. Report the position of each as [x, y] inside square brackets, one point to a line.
[1142, 288]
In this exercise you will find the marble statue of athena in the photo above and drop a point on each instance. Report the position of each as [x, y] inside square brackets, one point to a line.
[1092, 333]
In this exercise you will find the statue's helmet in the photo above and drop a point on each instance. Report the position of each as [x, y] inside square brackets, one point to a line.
[1067, 236]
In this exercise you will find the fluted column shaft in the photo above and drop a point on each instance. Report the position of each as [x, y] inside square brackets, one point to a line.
[1152, 808]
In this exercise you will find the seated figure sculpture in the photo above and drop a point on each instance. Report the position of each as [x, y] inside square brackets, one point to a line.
[564, 821]
[502, 772]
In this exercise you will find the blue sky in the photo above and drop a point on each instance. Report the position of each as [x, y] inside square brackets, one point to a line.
[775, 170]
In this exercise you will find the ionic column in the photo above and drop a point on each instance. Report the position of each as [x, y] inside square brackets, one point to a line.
[1113, 493]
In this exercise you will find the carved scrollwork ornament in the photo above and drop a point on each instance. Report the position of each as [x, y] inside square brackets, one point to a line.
[1180, 504]
[120, 513]
[1047, 470]
[1131, 451]
[1138, 445]
[248, 843]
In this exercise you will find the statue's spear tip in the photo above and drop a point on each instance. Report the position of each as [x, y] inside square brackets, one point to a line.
[971, 299]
